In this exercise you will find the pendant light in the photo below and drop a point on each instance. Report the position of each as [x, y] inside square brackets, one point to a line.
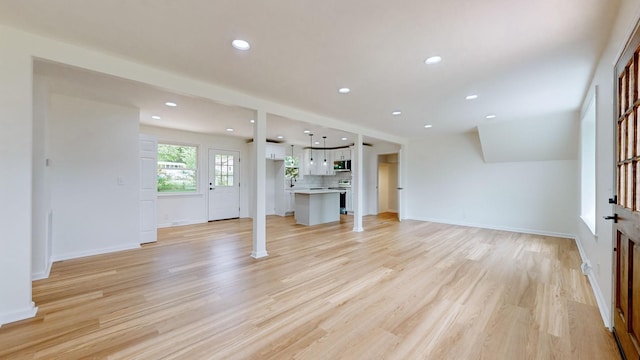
[325, 150]
[311, 148]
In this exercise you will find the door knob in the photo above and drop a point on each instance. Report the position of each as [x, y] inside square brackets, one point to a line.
[614, 218]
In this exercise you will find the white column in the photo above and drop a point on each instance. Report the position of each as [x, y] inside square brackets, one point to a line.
[356, 170]
[16, 120]
[259, 191]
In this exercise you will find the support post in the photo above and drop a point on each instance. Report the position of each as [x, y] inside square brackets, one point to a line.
[259, 199]
[356, 170]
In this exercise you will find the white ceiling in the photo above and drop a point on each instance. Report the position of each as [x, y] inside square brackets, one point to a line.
[192, 113]
[525, 59]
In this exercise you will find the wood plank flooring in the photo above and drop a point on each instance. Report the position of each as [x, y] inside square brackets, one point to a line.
[410, 290]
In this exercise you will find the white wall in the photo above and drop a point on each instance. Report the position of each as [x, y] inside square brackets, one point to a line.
[370, 169]
[598, 249]
[448, 182]
[543, 138]
[186, 209]
[15, 183]
[94, 177]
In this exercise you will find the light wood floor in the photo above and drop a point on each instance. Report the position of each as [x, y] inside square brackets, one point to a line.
[410, 290]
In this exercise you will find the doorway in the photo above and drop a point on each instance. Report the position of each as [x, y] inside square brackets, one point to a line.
[388, 183]
[223, 183]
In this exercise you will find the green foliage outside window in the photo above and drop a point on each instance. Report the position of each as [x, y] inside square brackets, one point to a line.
[291, 167]
[177, 168]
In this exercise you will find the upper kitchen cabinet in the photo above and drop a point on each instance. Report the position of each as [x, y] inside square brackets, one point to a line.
[275, 151]
[342, 154]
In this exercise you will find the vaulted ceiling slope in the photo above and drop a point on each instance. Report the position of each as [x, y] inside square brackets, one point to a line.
[523, 59]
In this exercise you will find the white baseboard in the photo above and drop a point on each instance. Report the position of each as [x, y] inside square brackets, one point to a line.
[25, 313]
[181, 223]
[43, 274]
[258, 255]
[79, 254]
[496, 227]
[602, 304]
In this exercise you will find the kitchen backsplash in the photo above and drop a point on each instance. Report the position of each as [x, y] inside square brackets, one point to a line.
[309, 181]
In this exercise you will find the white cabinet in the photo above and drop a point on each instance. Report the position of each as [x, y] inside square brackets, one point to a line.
[275, 151]
[342, 154]
[318, 167]
[290, 201]
[349, 201]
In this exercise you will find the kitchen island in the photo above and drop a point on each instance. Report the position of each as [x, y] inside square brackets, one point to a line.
[314, 207]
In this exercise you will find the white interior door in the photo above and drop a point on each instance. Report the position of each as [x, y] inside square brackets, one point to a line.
[224, 186]
[148, 188]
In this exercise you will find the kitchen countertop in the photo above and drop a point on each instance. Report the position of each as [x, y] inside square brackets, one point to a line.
[311, 192]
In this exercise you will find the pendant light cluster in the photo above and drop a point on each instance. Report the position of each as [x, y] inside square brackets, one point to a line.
[324, 148]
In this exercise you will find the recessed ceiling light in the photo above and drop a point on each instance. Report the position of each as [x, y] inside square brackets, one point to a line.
[307, 131]
[241, 44]
[433, 60]
[344, 90]
[252, 121]
[471, 97]
[171, 104]
[344, 139]
[317, 142]
[155, 117]
[428, 126]
[280, 137]
[396, 113]
[491, 116]
[229, 129]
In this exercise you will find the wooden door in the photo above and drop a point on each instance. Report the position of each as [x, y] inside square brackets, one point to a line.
[627, 208]
[224, 184]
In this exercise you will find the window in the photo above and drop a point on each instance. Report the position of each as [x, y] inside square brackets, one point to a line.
[291, 169]
[224, 170]
[588, 166]
[177, 168]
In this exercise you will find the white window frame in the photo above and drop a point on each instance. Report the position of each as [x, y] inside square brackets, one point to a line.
[197, 169]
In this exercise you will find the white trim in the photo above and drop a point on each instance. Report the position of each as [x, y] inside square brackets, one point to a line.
[18, 315]
[182, 223]
[602, 304]
[43, 274]
[179, 194]
[258, 255]
[496, 227]
[589, 224]
[92, 252]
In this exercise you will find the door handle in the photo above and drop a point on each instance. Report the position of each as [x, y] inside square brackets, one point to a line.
[211, 188]
[614, 218]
